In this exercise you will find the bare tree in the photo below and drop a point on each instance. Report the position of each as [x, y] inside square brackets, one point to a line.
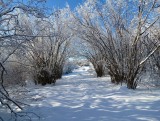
[10, 42]
[119, 35]
[48, 52]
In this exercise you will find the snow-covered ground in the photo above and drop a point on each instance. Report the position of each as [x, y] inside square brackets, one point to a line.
[80, 96]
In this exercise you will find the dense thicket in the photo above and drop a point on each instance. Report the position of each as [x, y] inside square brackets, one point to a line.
[33, 45]
[124, 32]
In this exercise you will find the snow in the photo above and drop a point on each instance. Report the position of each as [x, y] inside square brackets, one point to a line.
[80, 96]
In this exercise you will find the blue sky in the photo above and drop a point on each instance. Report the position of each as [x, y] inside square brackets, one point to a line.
[62, 3]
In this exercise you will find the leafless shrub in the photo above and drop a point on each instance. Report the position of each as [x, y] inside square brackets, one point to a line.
[96, 58]
[10, 42]
[48, 52]
[119, 35]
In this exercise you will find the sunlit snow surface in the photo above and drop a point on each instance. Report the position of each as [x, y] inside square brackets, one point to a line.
[80, 96]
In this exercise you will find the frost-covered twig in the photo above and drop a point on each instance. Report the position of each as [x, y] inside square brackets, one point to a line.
[150, 54]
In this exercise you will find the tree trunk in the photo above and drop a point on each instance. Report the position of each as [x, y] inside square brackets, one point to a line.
[131, 84]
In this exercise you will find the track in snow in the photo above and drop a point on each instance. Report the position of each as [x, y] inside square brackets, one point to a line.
[80, 96]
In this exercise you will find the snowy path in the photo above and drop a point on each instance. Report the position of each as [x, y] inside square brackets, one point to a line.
[81, 97]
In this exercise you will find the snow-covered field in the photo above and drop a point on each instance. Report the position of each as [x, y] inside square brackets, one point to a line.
[80, 96]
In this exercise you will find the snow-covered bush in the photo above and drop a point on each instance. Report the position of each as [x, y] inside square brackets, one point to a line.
[119, 35]
[96, 59]
[49, 51]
